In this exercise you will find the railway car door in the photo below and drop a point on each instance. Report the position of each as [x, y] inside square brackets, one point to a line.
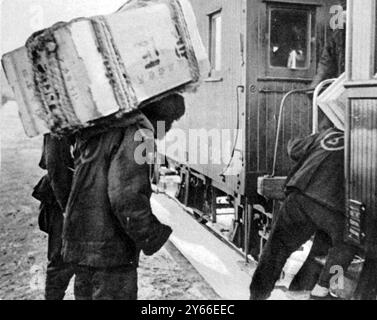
[284, 40]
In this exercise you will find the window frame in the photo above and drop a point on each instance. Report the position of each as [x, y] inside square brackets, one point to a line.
[212, 47]
[375, 43]
[285, 72]
[308, 35]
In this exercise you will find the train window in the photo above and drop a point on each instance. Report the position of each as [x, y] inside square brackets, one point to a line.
[215, 42]
[375, 45]
[290, 34]
[375, 59]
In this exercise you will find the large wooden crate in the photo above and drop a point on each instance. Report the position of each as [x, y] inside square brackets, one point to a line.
[72, 74]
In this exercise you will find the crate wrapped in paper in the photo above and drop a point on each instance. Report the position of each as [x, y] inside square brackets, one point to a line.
[72, 74]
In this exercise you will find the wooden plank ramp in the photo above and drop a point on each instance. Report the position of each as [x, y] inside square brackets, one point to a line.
[225, 270]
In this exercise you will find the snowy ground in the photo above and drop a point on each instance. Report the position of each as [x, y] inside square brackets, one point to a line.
[165, 276]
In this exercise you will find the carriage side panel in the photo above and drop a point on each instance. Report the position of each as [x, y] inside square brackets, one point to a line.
[217, 107]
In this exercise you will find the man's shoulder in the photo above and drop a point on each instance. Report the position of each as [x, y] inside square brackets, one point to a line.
[332, 140]
[338, 37]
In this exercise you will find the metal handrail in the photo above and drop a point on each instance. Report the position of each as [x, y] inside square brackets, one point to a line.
[317, 91]
[281, 110]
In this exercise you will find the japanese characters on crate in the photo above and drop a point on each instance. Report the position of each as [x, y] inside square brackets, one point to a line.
[70, 75]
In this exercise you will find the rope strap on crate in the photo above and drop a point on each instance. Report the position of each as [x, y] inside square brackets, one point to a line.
[115, 69]
[49, 85]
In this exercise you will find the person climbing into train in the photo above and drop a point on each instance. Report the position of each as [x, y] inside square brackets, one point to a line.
[109, 219]
[53, 191]
[315, 202]
[331, 65]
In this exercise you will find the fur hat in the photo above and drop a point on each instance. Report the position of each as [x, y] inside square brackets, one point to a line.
[169, 109]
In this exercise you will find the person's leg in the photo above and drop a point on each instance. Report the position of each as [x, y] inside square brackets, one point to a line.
[58, 276]
[83, 288]
[58, 273]
[338, 260]
[290, 230]
[367, 285]
[340, 254]
[115, 284]
[308, 275]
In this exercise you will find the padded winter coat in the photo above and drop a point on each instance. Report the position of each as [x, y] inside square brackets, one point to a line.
[109, 217]
[319, 172]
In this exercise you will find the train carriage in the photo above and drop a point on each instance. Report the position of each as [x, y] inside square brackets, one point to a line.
[259, 51]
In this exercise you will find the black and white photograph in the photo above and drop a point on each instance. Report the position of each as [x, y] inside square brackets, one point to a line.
[207, 151]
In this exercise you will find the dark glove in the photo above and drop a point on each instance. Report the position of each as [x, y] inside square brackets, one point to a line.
[157, 239]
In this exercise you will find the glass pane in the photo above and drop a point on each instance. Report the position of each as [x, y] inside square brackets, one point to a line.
[289, 39]
[216, 41]
[375, 46]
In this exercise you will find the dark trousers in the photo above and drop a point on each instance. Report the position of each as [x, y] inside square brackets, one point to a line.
[310, 271]
[106, 284]
[367, 285]
[58, 276]
[297, 220]
[58, 273]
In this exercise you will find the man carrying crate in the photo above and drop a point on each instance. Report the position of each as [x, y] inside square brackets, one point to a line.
[109, 218]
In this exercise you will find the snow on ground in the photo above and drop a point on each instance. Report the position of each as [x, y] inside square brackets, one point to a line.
[165, 276]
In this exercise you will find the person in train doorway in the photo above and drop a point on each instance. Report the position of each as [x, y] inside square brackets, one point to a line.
[331, 65]
[109, 217]
[332, 60]
[52, 191]
[314, 202]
